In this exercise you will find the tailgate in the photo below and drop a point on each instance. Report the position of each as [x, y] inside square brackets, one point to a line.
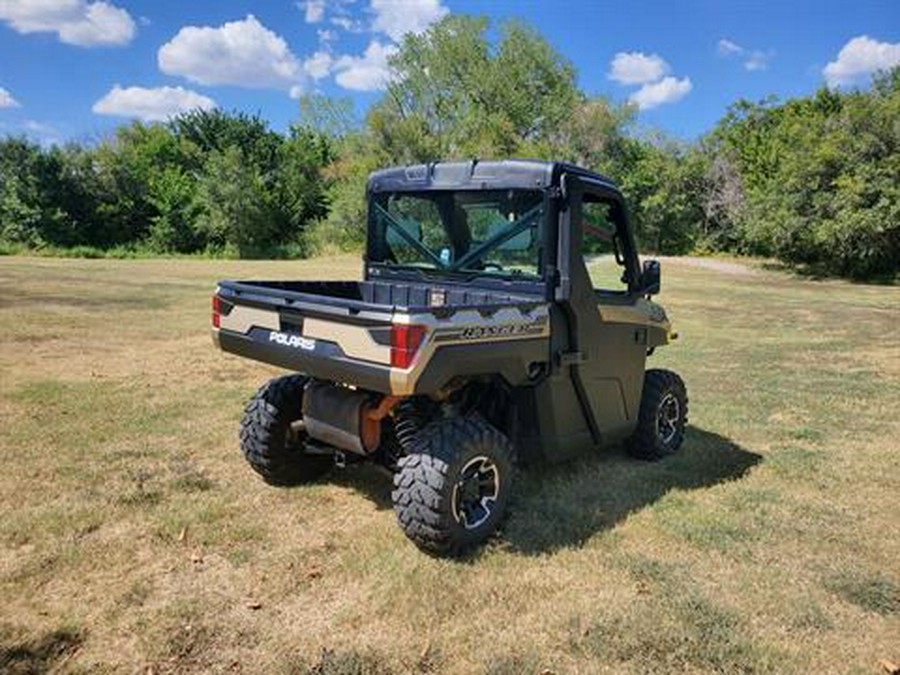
[331, 338]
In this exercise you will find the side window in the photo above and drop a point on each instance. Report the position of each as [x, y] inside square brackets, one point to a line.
[601, 245]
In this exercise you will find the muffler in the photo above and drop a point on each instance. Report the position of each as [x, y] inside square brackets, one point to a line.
[344, 418]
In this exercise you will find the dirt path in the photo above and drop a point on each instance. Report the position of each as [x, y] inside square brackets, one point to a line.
[715, 264]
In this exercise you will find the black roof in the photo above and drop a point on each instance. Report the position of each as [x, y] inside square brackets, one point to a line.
[477, 175]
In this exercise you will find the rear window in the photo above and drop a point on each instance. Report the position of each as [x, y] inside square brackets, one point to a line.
[486, 231]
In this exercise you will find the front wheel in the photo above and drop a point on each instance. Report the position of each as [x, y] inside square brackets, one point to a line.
[451, 490]
[662, 417]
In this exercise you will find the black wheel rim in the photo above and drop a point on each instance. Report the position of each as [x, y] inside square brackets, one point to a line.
[668, 417]
[475, 492]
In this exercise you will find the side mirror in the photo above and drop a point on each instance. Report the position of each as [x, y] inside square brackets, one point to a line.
[650, 277]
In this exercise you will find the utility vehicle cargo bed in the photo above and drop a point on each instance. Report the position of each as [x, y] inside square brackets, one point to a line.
[378, 296]
[381, 334]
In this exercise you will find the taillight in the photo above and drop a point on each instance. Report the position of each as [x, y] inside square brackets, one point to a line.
[405, 342]
[216, 311]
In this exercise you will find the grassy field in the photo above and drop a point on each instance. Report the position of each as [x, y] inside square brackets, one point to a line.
[134, 539]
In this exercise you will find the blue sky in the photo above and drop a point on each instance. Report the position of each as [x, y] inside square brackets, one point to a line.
[74, 69]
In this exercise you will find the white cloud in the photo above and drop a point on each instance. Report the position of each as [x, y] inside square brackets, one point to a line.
[39, 127]
[651, 72]
[151, 105]
[348, 24]
[727, 47]
[318, 65]
[326, 35]
[637, 68]
[45, 134]
[7, 100]
[754, 59]
[315, 10]
[76, 22]
[369, 72]
[398, 17]
[241, 53]
[859, 58]
[667, 90]
[758, 60]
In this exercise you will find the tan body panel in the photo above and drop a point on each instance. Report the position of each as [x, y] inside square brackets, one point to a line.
[355, 341]
[241, 319]
[642, 313]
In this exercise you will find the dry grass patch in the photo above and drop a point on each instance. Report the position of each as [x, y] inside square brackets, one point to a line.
[134, 537]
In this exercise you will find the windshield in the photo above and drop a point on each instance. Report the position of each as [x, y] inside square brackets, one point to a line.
[485, 231]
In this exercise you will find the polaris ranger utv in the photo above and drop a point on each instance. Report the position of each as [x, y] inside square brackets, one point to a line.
[476, 342]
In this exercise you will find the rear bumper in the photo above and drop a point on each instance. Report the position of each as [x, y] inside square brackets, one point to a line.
[326, 361]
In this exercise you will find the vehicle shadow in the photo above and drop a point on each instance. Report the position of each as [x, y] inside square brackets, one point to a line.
[563, 506]
[367, 479]
[39, 655]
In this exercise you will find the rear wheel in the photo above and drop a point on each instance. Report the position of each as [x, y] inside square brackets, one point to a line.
[662, 417]
[269, 444]
[412, 415]
[452, 489]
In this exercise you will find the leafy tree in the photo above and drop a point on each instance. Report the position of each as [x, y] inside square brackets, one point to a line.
[597, 134]
[25, 214]
[237, 212]
[207, 131]
[21, 218]
[344, 227]
[300, 188]
[330, 117]
[457, 95]
[125, 170]
[173, 193]
[664, 185]
[818, 179]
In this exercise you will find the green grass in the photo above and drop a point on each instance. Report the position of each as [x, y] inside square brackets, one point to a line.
[134, 537]
[876, 593]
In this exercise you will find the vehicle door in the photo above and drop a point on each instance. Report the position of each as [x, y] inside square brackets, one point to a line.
[609, 327]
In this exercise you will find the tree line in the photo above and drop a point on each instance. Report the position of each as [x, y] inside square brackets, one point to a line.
[813, 181]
